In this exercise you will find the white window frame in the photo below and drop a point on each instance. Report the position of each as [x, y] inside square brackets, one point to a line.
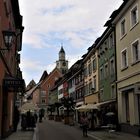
[131, 22]
[122, 66]
[132, 51]
[94, 83]
[122, 34]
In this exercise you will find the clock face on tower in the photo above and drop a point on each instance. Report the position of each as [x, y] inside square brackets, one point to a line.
[64, 63]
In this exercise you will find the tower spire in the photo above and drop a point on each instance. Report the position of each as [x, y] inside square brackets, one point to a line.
[62, 64]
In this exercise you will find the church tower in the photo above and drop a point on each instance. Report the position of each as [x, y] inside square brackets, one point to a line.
[62, 64]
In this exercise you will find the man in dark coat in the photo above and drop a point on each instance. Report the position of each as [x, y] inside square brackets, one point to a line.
[16, 118]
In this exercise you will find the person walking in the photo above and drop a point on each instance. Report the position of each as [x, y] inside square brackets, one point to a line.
[16, 118]
[85, 123]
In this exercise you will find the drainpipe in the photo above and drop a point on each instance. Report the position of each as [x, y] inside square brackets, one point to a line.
[116, 79]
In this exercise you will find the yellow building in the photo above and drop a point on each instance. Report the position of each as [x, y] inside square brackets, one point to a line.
[126, 19]
[91, 76]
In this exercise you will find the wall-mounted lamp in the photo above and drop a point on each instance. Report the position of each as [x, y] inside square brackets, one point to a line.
[8, 38]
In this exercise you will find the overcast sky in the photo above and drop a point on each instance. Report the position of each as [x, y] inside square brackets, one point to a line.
[49, 23]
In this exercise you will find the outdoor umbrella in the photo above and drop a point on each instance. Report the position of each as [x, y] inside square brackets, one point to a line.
[91, 107]
[81, 108]
[28, 106]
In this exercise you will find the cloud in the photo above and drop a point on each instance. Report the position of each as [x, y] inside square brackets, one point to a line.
[63, 16]
[31, 69]
[48, 23]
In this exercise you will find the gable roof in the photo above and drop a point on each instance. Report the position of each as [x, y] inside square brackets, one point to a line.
[44, 75]
[30, 92]
[50, 74]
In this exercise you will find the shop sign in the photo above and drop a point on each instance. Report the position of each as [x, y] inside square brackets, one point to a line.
[13, 84]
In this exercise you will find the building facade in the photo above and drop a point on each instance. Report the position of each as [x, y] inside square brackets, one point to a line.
[48, 83]
[126, 20]
[107, 74]
[11, 82]
[90, 64]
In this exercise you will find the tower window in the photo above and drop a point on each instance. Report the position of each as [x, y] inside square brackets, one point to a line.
[64, 63]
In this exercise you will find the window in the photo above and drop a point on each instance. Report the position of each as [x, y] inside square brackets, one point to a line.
[101, 95]
[43, 101]
[113, 91]
[89, 68]
[64, 63]
[112, 67]
[85, 71]
[124, 59]
[134, 16]
[135, 51]
[94, 83]
[86, 89]
[106, 70]
[90, 87]
[123, 30]
[105, 45]
[101, 73]
[94, 64]
[111, 41]
[43, 93]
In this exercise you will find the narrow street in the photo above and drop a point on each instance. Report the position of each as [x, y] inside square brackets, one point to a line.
[52, 130]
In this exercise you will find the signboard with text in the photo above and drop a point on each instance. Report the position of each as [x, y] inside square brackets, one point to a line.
[16, 85]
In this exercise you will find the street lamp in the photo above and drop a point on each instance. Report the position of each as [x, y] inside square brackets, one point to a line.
[8, 38]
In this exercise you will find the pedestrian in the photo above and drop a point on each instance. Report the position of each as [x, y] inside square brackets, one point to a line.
[36, 117]
[33, 122]
[28, 117]
[41, 114]
[16, 118]
[89, 116]
[85, 123]
[23, 122]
